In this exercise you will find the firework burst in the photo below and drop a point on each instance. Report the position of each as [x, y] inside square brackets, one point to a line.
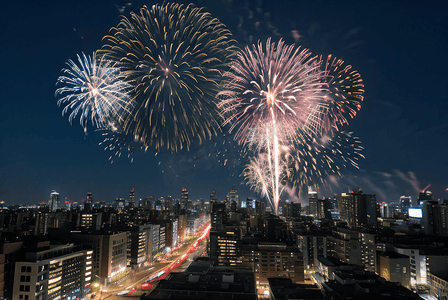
[272, 83]
[95, 90]
[175, 57]
[279, 98]
[272, 91]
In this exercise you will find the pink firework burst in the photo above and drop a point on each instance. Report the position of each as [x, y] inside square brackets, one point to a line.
[273, 83]
[279, 99]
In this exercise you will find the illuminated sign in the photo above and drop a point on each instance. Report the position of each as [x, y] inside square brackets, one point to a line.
[415, 213]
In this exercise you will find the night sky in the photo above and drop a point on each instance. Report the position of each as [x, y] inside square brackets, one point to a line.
[399, 47]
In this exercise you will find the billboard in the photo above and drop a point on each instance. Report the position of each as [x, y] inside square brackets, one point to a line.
[415, 213]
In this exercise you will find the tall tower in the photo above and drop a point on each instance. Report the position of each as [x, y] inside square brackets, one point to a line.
[312, 202]
[88, 203]
[132, 199]
[405, 203]
[183, 199]
[53, 203]
[213, 197]
[234, 198]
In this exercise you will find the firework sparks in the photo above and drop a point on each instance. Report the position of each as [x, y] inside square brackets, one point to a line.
[344, 92]
[272, 83]
[271, 93]
[314, 159]
[280, 97]
[175, 56]
[95, 89]
[260, 175]
[118, 142]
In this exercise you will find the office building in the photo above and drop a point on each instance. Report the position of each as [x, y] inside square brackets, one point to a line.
[312, 202]
[183, 199]
[53, 203]
[132, 199]
[52, 272]
[405, 203]
[358, 209]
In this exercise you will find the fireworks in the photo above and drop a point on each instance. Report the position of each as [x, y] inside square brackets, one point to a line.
[272, 84]
[117, 141]
[344, 92]
[314, 159]
[260, 175]
[287, 105]
[162, 70]
[273, 91]
[94, 89]
[175, 57]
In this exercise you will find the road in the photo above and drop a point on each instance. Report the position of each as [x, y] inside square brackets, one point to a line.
[179, 259]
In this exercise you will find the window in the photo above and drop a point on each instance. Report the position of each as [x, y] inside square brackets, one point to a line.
[24, 288]
[24, 278]
[26, 269]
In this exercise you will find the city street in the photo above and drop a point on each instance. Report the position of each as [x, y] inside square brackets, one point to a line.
[130, 286]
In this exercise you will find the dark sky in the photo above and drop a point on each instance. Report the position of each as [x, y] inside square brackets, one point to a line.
[399, 47]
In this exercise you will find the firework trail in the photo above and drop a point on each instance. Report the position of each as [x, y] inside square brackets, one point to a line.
[280, 97]
[95, 89]
[261, 175]
[272, 92]
[175, 57]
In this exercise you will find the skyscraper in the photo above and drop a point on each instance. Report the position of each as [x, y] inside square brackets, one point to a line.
[183, 199]
[405, 203]
[213, 197]
[358, 209]
[132, 199]
[53, 203]
[423, 196]
[88, 203]
[312, 202]
[233, 197]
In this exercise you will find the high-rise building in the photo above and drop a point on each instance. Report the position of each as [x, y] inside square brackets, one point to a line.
[53, 203]
[385, 212]
[89, 202]
[213, 198]
[53, 272]
[225, 246]
[183, 199]
[132, 199]
[169, 203]
[109, 257]
[423, 196]
[292, 210]
[405, 203]
[358, 209]
[271, 259]
[323, 208]
[218, 216]
[312, 204]
[234, 198]
[250, 206]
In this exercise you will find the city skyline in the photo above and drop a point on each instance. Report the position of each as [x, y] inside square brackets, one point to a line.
[400, 124]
